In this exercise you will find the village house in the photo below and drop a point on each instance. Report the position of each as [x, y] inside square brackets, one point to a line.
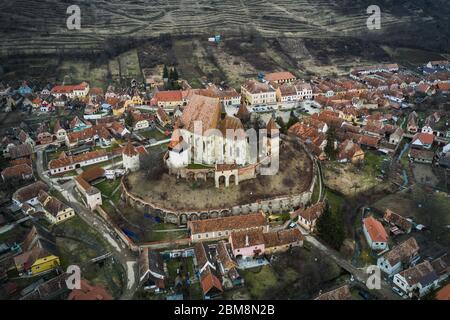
[308, 134]
[139, 121]
[350, 152]
[247, 243]
[282, 240]
[422, 140]
[412, 124]
[444, 293]
[59, 132]
[76, 124]
[53, 289]
[442, 266]
[225, 260]
[227, 97]
[375, 234]
[307, 218]
[254, 93]
[210, 284]
[29, 194]
[221, 228]
[418, 280]
[396, 137]
[399, 224]
[151, 270]
[67, 163]
[253, 243]
[118, 129]
[25, 138]
[400, 257]
[279, 77]
[39, 253]
[71, 91]
[89, 292]
[20, 151]
[341, 293]
[203, 257]
[162, 117]
[287, 92]
[43, 135]
[17, 173]
[54, 210]
[421, 156]
[92, 196]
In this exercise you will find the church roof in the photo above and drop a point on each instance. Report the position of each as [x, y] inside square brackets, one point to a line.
[204, 109]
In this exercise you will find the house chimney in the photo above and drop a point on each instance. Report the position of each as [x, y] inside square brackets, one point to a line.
[246, 240]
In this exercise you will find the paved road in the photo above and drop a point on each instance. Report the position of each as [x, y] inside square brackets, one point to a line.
[119, 249]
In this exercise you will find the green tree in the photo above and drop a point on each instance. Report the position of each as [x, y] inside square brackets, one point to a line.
[174, 74]
[330, 151]
[330, 227]
[129, 121]
[282, 125]
[292, 120]
[165, 72]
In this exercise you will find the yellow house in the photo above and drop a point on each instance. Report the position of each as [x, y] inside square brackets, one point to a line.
[39, 253]
[119, 110]
[54, 210]
[135, 101]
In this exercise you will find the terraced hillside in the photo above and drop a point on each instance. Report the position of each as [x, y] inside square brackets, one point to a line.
[29, 26]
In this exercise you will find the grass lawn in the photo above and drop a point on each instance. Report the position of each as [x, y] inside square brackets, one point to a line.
[198, 166]
[107, 187]
[166, 236]
[316, 191]
[259, 281]
[373, 163]
[334, 200]
[153, 134]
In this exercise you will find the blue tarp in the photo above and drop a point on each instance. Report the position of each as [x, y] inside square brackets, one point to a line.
[155, 219]
[130, 234]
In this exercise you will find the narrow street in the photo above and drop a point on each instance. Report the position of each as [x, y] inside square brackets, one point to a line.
[120, 251]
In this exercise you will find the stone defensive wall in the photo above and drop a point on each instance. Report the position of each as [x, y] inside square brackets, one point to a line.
[266, 205]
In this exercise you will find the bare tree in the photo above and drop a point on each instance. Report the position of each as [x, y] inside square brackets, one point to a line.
[153, 165]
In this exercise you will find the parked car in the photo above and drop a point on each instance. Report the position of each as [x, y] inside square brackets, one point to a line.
[399, 292]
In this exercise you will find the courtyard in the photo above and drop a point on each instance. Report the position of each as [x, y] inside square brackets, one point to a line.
[294, 177]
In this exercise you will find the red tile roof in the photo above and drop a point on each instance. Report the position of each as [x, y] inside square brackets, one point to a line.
[252, 220]
[89, 292]
[129, 150]
[17, 171]
[69, 88]
[209, 281]
[425, 138]
[375, 229]
[444, 293]
[68, 160]
[279, 76]
[168, 96]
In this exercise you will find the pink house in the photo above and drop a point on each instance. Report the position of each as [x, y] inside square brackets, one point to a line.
[248, 243]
